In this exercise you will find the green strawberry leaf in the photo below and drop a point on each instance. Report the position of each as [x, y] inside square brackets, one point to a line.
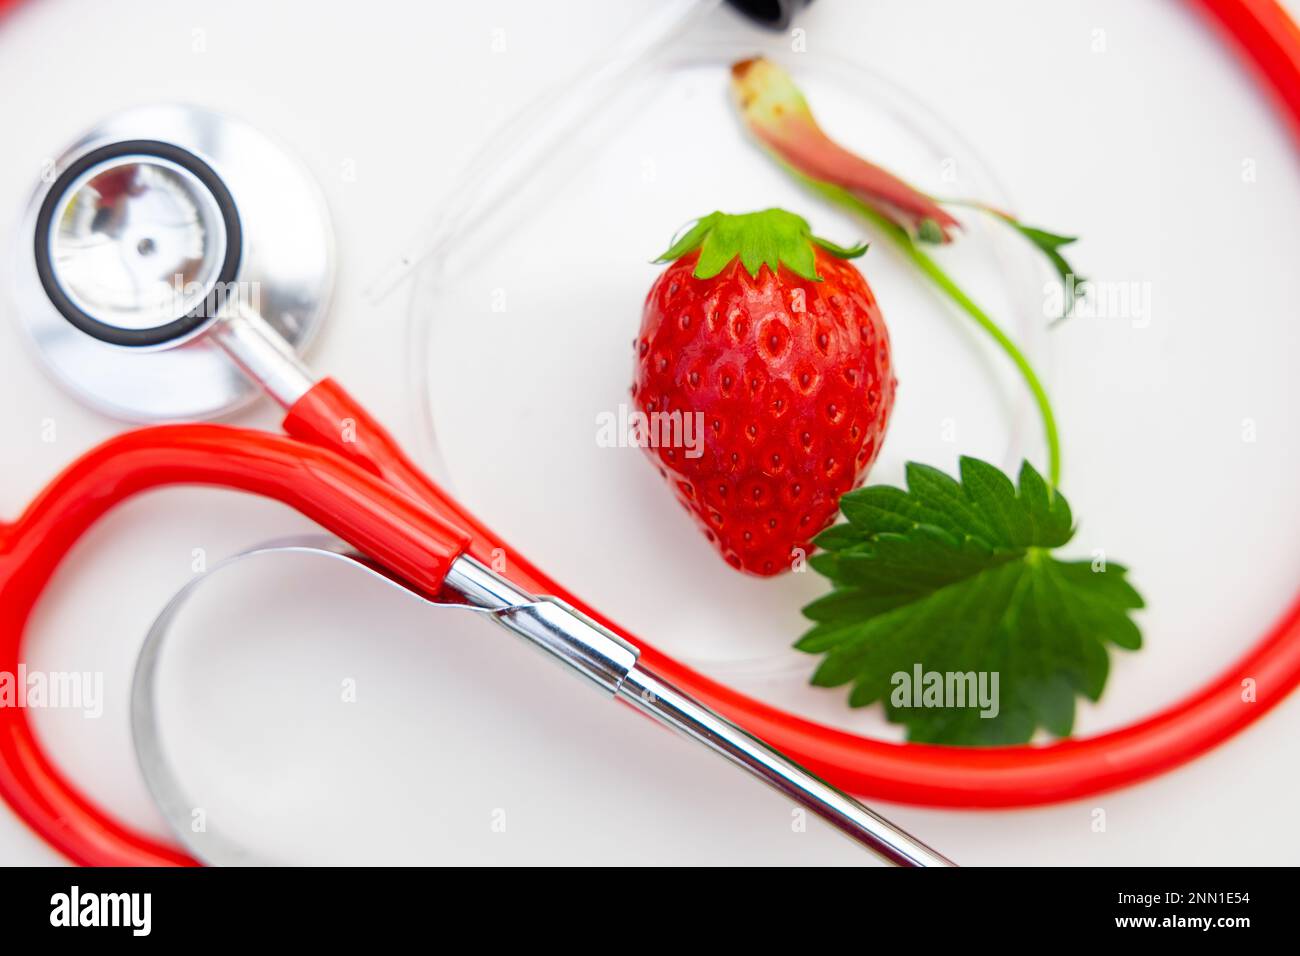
[951, 608]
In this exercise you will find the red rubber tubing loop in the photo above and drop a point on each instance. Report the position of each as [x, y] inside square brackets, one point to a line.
[345, 472]
[351, 502]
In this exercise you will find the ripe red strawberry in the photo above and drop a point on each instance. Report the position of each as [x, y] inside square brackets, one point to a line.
[778, 341]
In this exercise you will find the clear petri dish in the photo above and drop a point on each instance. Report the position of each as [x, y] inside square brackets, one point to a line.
[521, 330]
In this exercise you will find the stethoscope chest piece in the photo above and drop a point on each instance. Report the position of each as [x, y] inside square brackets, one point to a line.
[142, 231]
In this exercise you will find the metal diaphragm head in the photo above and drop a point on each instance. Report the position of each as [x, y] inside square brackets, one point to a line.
[138, 240]
[136, 247]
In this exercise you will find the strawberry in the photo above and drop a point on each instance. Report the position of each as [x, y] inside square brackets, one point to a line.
[776, 340]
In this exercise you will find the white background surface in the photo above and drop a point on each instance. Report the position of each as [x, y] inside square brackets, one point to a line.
[1139, 148]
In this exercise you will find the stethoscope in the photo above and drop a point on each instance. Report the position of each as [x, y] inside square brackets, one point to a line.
[177, 261]
[222, 198]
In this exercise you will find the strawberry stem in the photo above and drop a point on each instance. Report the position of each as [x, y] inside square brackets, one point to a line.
[1032, 381]
[950, 288]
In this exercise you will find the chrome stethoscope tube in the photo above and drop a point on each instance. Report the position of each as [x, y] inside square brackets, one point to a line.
[675, 709]
[611, 663]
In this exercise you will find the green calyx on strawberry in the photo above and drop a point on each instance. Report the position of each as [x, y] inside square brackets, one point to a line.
[771, 238]
[770, 339]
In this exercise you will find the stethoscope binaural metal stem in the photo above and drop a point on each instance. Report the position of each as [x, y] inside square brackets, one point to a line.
[262, 353]
[585, 646]
[611, 663]
[677, 710]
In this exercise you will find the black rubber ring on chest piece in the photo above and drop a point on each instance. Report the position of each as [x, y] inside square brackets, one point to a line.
[177, 328]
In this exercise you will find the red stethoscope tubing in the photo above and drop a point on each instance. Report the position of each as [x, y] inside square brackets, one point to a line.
[350, 501]
[363, 488]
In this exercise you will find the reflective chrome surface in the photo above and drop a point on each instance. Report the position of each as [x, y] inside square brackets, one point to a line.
[285, 273]
[263, 354]
[548, 623]
[605, 658]
[137, 242]
[176, 806]
[671, 707]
